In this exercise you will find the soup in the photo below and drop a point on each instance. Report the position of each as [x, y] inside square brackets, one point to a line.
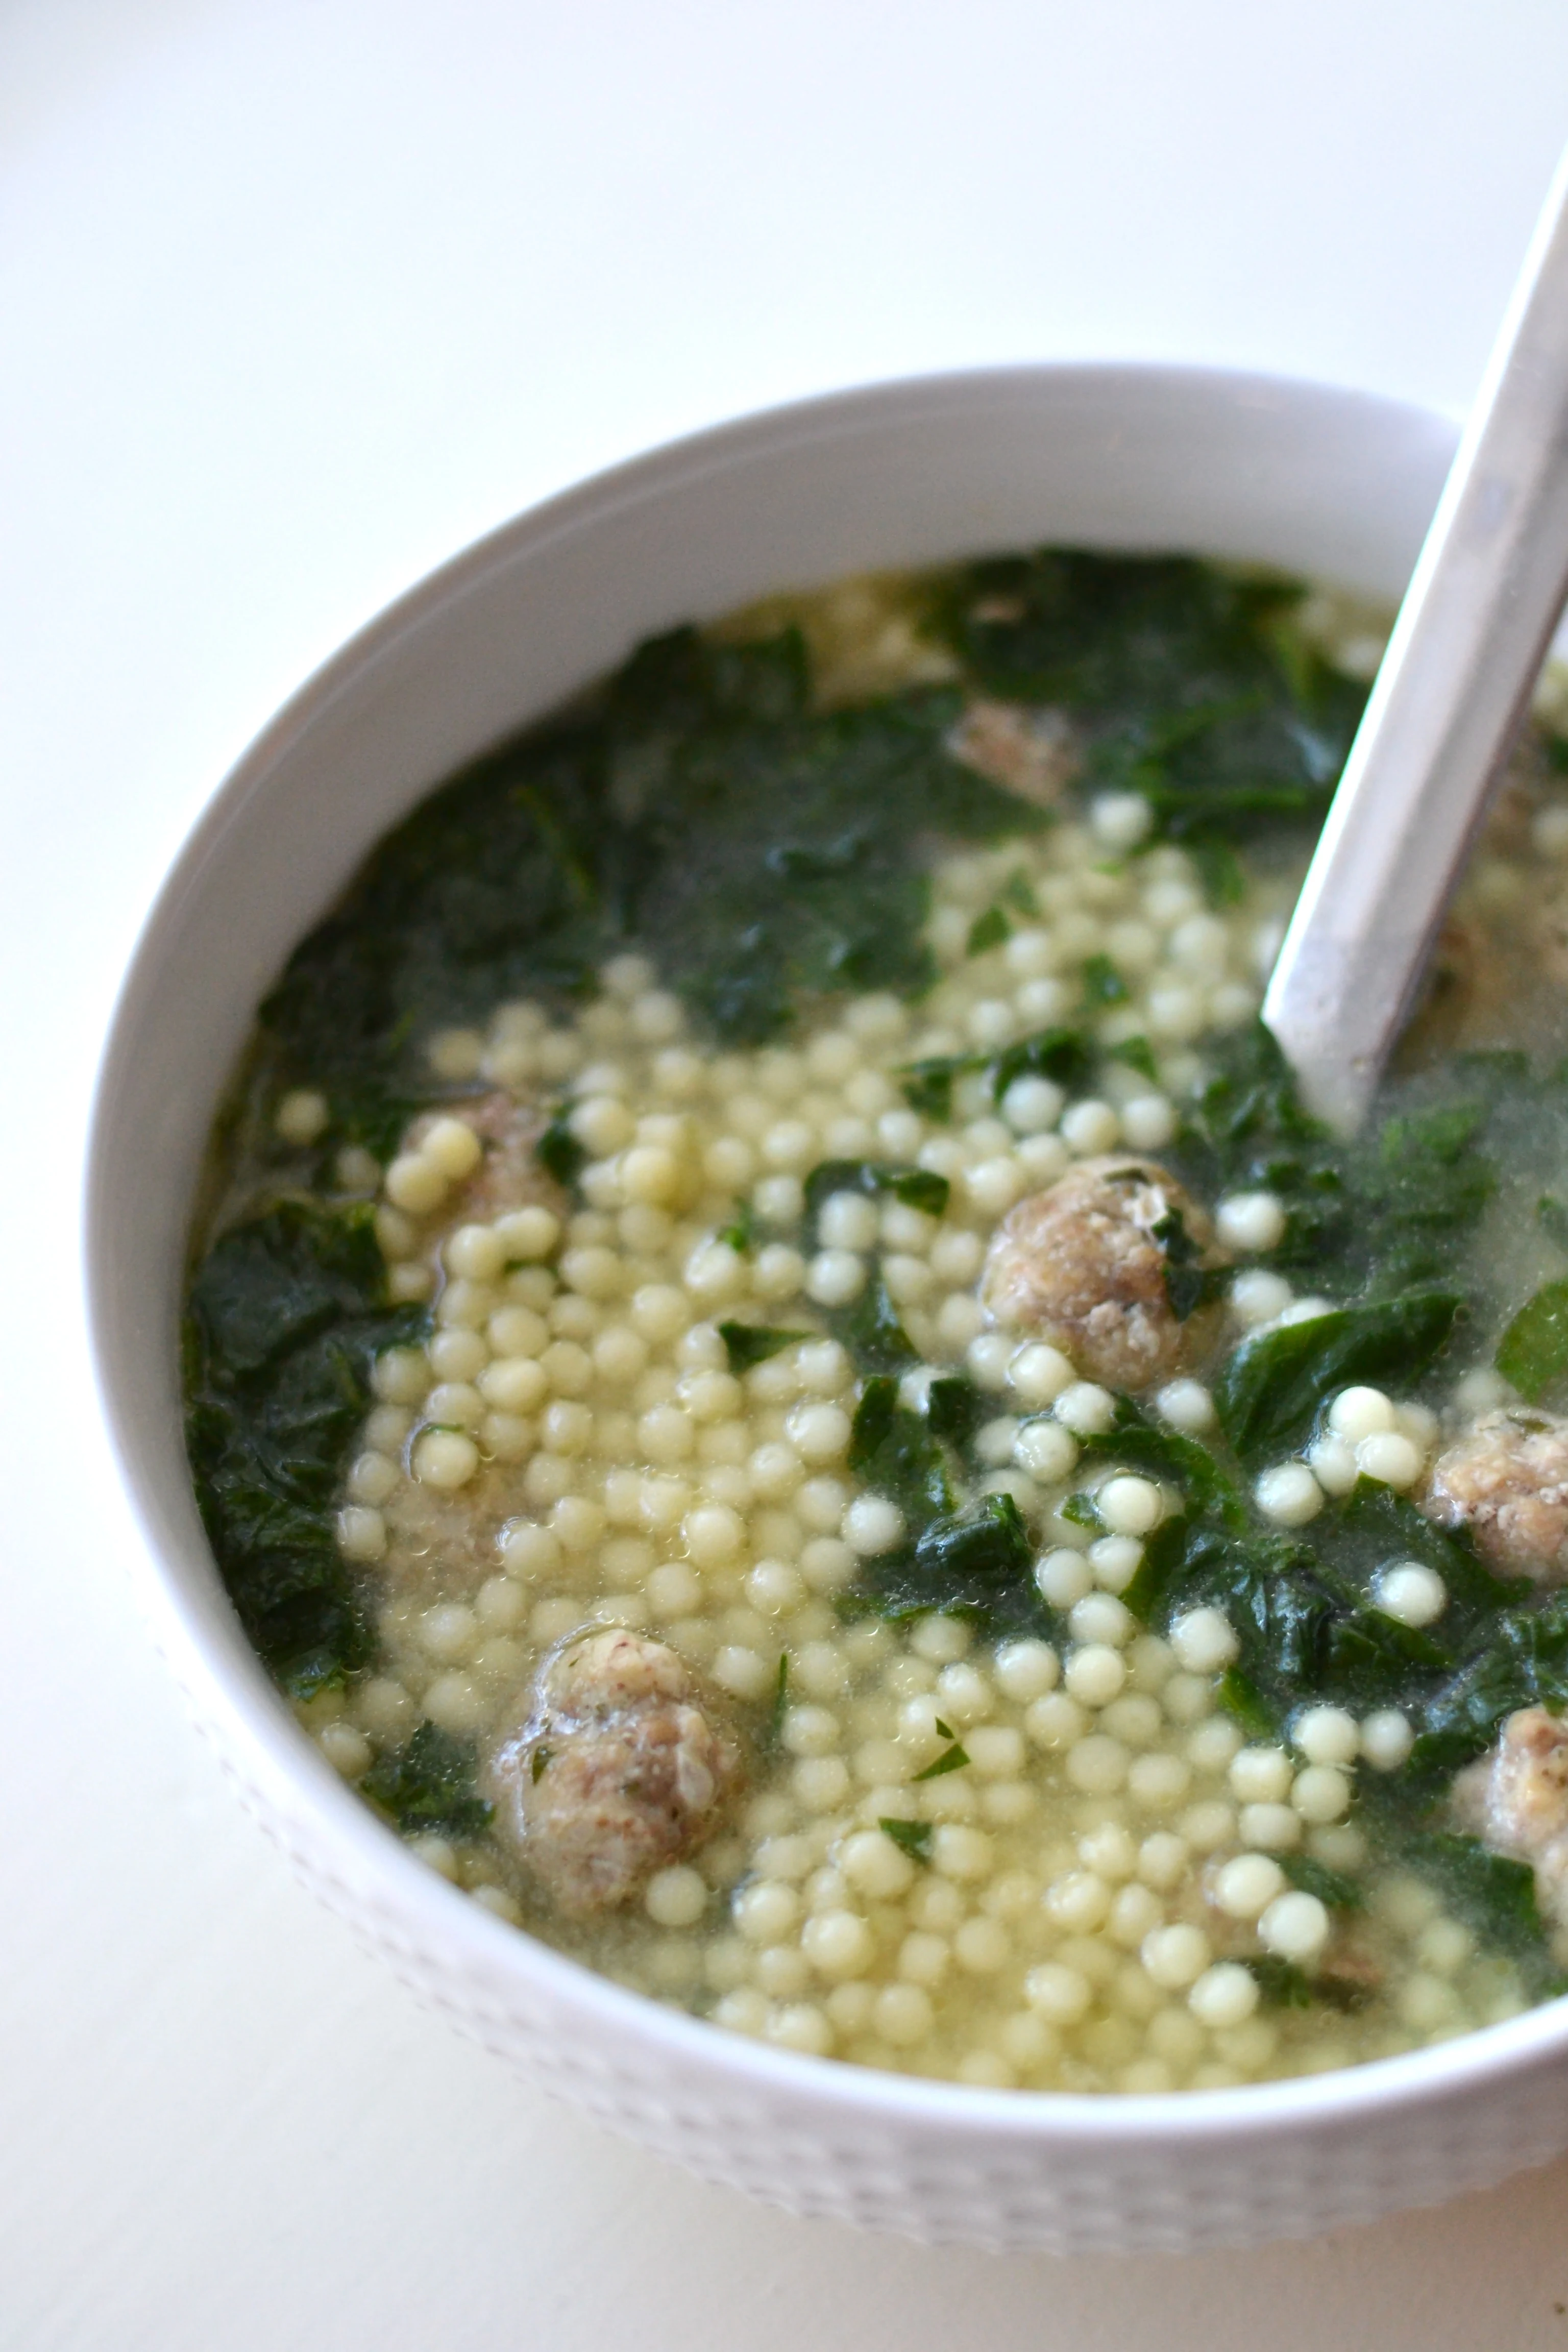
[780, 1378]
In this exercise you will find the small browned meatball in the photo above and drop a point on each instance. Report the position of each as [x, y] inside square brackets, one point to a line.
[1030, 752]
[620, 1767]
[1506, 1481]
[1080, 1264]
[1516, 1799]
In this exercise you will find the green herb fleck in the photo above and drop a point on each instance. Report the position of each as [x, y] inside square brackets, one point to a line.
[428, 1784]
[913, 1837]
[746, 1344]
[988, 930]
[1102, 983]
[1533, 1354]
[558, 1150]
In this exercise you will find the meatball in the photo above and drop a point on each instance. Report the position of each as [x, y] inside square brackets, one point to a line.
[1084, 1264]
[620, 1767]
[1030, 752]
[1506, 1481]
[1516, 1799]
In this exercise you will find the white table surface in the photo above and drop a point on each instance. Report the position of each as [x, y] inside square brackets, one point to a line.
[296, 296]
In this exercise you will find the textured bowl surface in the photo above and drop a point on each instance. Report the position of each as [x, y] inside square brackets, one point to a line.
[1312, 479]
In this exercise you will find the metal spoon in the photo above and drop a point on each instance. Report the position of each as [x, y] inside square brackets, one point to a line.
[1455, 683]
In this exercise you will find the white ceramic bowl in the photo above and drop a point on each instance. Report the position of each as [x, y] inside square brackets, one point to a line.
[1317, 480]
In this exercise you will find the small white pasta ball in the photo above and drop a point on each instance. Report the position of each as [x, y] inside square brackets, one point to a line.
[302, 1116]
[397, 1235]
[1295, 1926]
[518, 1331]
[821, 1783]
[657, 1016]
[454, 1702]
[674, 1590]
[1272, 1828]
[528, 1234]
[360, 1532]
[1038, 1373]
[1326, 1735]
[961, 1852]
[1360, 1412]
[1158, 1782]
[1054, 1723]
[675, 1896]
[454, 1148]
[714, 1534]
[1087, 1409]
[372, 1478]
[875, 1866]
[908, 1279]
[826, 1562]
[1390, 1458]
[667, 1436]
[348, 1752]
[745, 1674]
[902, 2015]
[1090, 1126]
[994, 1441]
[1204, 1641]
[1333, 1463]
[839, 1944]
[835, 1277]
[963, 1693]
[1101, 1617]
[790, 1145]
[1032, 1105]
[819, 1432]
[1250, 1221]
[1410, 1592]
[513, 1384]
[824, 1368]
[777, 1270]
[444, 1458]
[476, 1252]
[1130, 1506]
[1288, 1495]
[779, 1200]
[1097, 1764]
[1135, 1913]
[848, 1221]
[713, 1274]
[809, 1731]
[995, 1184]
[986, 1357]
[458, 1355]
[1176, 1957]
[1120, 821]
[415, 1183]
[1386, 1738]
[1060, 1993]
[995, 1750]
[1258, 1297]
[602, 1124]
[1026, 1669]
[1321, 1793]
[1225, 1995]
[1115, 1560]
[872, 1525]
[1046, 1451]
[1245, 1888]
[775, 1472]
[1148, 1122]
[1080, 1902]
[1260, 1775]
[1419, 1423]
[766, 1911]
[649, 1175]
[1062, 1577]
[1162, 1860]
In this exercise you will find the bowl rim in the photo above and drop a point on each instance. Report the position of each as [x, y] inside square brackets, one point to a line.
[216, 1683]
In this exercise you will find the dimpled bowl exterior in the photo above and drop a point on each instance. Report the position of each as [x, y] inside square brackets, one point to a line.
[1313, 479]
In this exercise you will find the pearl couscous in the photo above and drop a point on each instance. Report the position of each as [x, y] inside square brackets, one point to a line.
[861, 1508]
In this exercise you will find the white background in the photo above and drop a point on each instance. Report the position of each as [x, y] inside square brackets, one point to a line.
[296, 296]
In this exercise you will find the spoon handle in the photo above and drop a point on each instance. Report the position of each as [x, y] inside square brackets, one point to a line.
[1454, 684]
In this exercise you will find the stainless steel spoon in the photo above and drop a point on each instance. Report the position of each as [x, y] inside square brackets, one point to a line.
[1455, 683]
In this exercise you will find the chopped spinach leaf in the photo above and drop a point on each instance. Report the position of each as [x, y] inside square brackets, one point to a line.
[914, 1838]
[428, 1784]
[740, 1233]
[777, 1711]
[746, 1344]
[917, 1188]
[1329, 1886]
[1102, 983]
[1275, 1384]
[1552, 1214]
[1533, 1354]
[988, 930]
[870, 1329]
[558, 1152]
[954, 1410]
[1135, 1054]
[894, 1452]
[952, 1760]
[287, 1314]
